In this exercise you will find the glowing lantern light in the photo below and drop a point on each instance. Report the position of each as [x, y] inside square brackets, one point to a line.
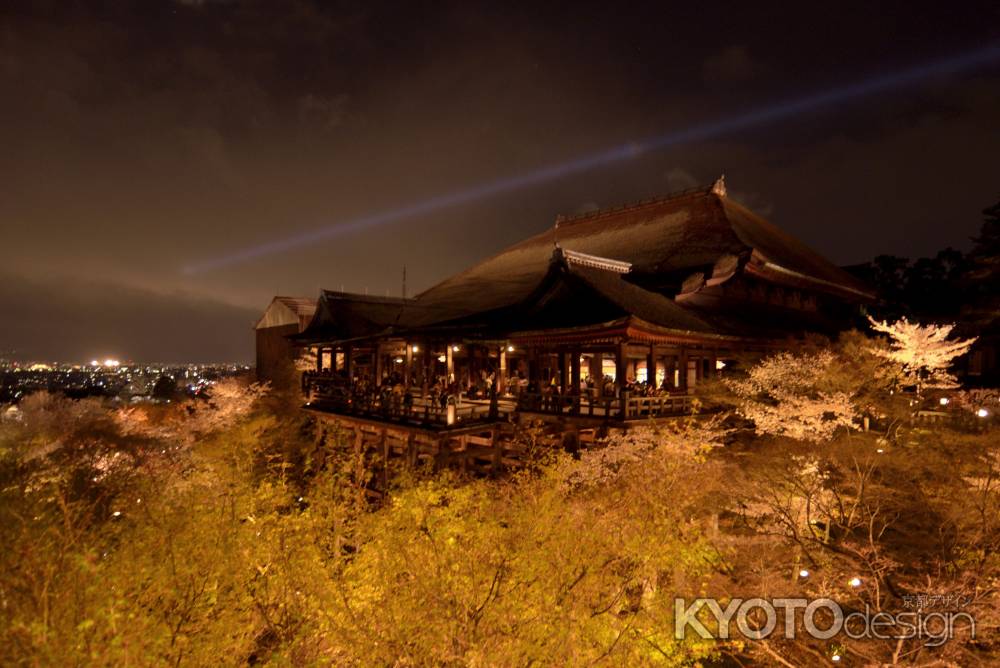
[944, 401]
[803, 573]
[510, 349]
[855, 582]
[719, 365]
[982, 412]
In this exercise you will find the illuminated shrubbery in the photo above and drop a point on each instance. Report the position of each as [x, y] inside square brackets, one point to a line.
[238, 531]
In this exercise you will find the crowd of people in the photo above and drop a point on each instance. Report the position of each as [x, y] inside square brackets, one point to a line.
[393, 396]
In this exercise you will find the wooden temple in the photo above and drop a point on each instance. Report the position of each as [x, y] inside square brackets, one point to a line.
[606, 317]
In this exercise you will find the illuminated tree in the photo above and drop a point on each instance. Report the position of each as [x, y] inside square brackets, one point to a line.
[790, 395]
[922, 353]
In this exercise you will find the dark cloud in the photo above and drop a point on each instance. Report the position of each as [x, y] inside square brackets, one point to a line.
[142, 136]
[69, 320]
[731, 65]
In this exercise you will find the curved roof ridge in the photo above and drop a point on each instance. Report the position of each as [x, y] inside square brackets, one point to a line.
[562, 219]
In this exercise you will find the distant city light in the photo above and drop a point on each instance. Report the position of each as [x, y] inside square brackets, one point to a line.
[94, 363]
[111, 362]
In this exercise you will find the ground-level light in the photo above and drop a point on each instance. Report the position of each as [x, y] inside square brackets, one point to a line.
[855, 582]
[803, 573]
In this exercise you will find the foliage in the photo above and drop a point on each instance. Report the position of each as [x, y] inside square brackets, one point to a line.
[783, 399]
[923, 353]
[236, 531]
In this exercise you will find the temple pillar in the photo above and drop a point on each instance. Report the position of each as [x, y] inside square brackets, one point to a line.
[597, 368]
[682, 368]
[574, 365]
[425, 367]
[407, 364]
[651, 367]
[621, 365]
[561, 366]
[450, 363]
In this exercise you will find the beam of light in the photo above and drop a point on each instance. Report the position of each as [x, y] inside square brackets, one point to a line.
[701, 132]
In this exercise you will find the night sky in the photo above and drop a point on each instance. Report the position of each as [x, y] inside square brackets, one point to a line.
[141, 138]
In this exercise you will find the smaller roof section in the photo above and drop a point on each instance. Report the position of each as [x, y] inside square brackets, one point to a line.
[284, 311]
[344, 316]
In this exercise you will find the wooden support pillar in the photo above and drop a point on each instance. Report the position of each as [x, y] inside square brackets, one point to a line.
[575, 379]
[377, 363]
[621, 365]
[682, 366]
[349, 363]
[473, 354]
[561, 365]
[408, 364]
[502, 374]
[574, 365]
[597, 368]
[319, 358]
[450, 363]
[426, 372]
[669, 369]
[411, 449]
[651, 368]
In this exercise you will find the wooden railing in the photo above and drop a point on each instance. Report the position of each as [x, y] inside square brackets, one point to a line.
[671, 404]
[332, 393]
[605, 407]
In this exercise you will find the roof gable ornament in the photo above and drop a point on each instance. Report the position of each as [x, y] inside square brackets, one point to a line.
[719, 187]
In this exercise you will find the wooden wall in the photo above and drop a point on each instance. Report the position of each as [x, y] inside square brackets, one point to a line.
[275, 353]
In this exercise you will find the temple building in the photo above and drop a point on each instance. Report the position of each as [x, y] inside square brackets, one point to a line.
[283, 318]
[605, 317]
